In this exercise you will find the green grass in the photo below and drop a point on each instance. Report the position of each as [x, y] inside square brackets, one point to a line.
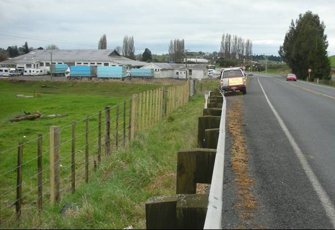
[76, 99]
[115, 198]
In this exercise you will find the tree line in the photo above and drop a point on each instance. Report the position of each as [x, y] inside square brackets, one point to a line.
[234, 47]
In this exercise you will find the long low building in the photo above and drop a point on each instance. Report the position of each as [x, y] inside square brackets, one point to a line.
[42, 59]
[174, 70]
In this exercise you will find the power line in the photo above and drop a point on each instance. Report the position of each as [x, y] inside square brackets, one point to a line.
[45, 39]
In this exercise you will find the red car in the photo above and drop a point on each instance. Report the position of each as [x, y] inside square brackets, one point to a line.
[291, 77]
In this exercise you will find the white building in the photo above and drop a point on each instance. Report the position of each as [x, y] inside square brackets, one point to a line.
[161, 70]
[41, 59]
[173, 70]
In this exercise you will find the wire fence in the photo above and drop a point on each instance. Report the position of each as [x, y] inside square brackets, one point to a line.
[67, 156]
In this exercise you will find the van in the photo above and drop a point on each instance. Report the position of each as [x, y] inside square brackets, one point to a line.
[4, 72]
[12, 72]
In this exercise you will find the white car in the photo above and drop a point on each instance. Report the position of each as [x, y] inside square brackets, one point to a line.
[211, 72]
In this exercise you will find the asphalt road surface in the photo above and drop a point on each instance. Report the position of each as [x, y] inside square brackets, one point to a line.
[290, 135]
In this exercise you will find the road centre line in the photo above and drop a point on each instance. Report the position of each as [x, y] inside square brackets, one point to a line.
[321, 193]
[311, 91]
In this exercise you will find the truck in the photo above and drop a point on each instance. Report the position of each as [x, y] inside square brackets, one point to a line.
[82, 72]
[118, 72]
[142, 73]
[59, 70]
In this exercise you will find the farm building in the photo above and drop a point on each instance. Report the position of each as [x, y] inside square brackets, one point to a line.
[173, 70]
[195, 71]
[41, 59]
[161, 70]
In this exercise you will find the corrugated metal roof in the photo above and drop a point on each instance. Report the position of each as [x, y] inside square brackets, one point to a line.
[163, 65]
[73, 56]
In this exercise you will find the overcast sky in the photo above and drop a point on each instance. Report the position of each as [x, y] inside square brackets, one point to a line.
[79, 24]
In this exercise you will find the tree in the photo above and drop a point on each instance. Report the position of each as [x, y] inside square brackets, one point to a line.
[3, 55]
[305, 47]
[147, 56]
[177, 50]
[51, 47]
[25, 48]
[102, 43]
[128, 49]
[13, 51]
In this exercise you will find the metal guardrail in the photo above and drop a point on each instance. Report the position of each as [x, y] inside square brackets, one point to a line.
[214, 210]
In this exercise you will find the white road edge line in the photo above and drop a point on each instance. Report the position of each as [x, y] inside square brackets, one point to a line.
[323, 196]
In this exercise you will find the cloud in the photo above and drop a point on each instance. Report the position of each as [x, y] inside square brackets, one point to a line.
[153, 23]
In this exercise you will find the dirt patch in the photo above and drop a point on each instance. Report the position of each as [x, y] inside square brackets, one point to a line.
[245, 200]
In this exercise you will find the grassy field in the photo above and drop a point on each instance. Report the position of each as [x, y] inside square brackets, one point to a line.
[116, 194]
[77, 100]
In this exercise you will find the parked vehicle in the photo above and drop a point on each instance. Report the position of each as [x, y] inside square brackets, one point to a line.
[111, 72]
[211, 72]
[59, 70]
[142, 73]
[13, 72]
[291, 77]
[233, 79]
[30, 72]
[4, 72]
[82, 72]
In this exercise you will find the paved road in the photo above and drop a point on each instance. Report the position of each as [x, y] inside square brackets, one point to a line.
[291, 155]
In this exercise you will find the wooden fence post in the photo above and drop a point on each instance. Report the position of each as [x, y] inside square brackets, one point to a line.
[99, 139]
[124, 123]
[54, 164]
[139, 112]
[117, 127]
[143, 110]
[86, 152]
[147, 110]
[39, 173]
[164, 102]
[107, 130]
[73, 163]
[133, 116]
[157, 101]
[129, 122]
[18, 202]
[151, 108]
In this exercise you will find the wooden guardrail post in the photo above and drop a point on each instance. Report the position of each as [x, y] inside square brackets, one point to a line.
[206, 122]
[176, 212]
[212, 112]
[211, 138]
[194, 166]
[161, 212]
[54, 164]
